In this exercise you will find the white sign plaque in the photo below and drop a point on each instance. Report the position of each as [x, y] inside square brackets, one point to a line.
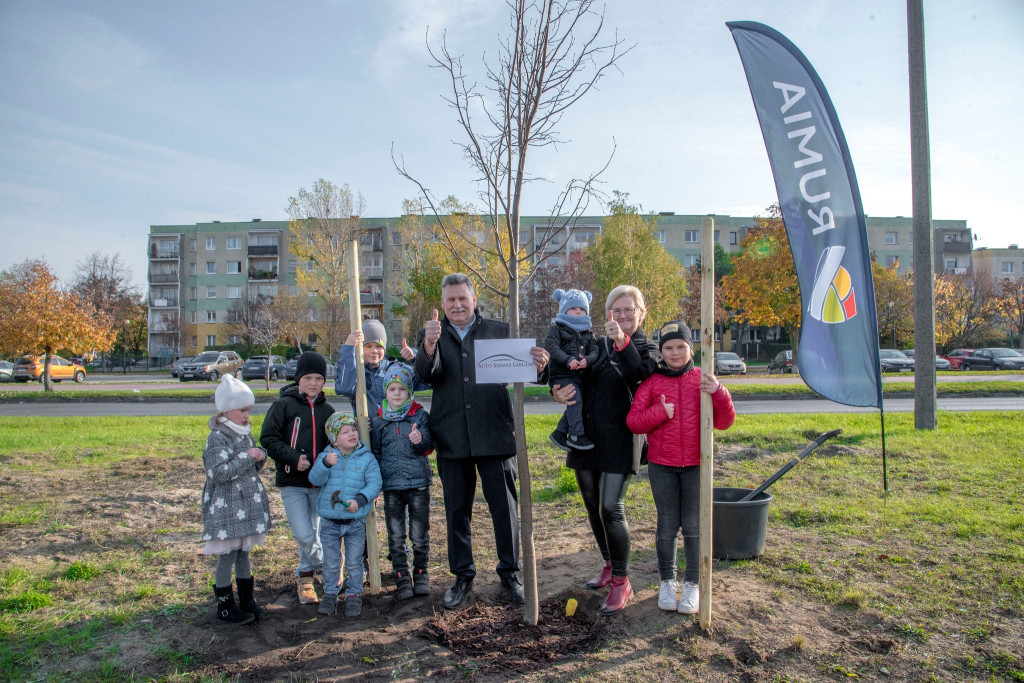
[499, 361]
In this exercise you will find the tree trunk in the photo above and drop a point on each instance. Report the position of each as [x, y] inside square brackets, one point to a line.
[47, 386]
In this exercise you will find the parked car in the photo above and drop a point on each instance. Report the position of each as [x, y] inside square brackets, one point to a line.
[6, 371]
[210, 365]
[941, 363]
[993, 359]
[289, 369]
[31, 368]
[783, 362]
[175, 367]
[956, 356]
[895, 361]
[256, 367]
[728, 363]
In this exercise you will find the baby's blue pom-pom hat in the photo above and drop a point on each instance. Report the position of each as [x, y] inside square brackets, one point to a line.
[572, 298]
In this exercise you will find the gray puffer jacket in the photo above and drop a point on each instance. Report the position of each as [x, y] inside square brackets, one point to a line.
[234, 501]
[403, 465]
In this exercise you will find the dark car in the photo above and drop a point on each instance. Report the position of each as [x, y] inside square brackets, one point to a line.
[210, 365]
[783, 362]
[956, 356]
[289, 369]
[895, 361]
[993, 359]
[256, 367]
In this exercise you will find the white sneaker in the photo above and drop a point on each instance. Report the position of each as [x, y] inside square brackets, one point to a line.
[667, 596]
[690, 601]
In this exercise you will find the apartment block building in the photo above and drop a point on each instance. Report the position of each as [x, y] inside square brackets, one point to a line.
[199, 274]
[1002, 264]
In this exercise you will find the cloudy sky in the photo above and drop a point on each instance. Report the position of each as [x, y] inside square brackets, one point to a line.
[118, 115]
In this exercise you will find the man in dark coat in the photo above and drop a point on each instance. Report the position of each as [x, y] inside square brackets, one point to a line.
[472, 428]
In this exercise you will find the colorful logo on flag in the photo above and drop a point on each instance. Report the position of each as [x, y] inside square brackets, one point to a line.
[832, 298]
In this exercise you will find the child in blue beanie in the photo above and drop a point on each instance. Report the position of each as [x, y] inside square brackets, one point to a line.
[573, 348]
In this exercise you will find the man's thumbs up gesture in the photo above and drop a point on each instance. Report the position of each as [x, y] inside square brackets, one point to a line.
[431, 333]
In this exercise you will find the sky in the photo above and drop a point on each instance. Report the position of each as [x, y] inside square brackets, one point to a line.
[119, 115]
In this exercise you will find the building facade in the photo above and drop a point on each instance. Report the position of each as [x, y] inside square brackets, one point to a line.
[1001, 264]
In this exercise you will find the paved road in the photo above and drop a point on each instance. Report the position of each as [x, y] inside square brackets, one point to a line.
[896, 405]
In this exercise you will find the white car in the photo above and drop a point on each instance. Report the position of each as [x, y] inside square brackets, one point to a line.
[728, 363]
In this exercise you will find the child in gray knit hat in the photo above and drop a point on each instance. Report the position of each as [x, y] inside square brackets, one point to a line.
[236, 511]
[573, 348]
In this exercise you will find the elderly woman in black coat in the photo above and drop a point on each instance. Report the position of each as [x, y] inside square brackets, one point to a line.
[627, 357]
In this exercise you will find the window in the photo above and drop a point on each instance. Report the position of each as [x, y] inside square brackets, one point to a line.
[211, 267]
[233, 339]
[717, 240]
[211, 292]
[193, 341]
[910, 262]
[660, 236]
[732, 238]
[234, 267]
[312, 338]
[211, 340]
[192, 294]
[211, 243]
[891, 238]
[1007, 267]
[691, 236]
[949, 264]
[292, 266]
[910, 237]
[950, 237]
[396, 263]
[891, 261]
[691, 260]
[267, 290]
[192, 247]
[396, 238]
[234, 292]
[192, 319]
[234, 243]
[211, 316]
[192, 269]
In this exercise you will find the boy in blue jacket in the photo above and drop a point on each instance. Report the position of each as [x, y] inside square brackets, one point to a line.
[374, 340]
[349, 478]
[400, 438]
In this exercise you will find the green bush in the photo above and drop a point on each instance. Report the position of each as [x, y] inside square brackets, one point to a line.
[80, 571]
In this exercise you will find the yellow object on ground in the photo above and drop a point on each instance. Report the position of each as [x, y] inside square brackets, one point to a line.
[570, 607]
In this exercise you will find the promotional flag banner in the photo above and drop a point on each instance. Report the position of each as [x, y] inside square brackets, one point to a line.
[820, 202]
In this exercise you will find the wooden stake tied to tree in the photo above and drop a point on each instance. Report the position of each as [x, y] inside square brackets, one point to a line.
[707, 436]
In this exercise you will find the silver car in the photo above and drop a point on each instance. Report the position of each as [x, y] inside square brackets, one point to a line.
[728, 363]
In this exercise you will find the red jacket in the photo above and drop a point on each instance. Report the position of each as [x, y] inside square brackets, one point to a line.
[676, 442]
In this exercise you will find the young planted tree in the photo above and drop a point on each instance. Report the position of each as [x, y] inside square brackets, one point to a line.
[40, 316]
[763, 288]
[321, 222]
[552, 56]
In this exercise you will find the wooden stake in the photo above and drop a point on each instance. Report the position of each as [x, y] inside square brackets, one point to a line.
[362, 419]
[707, 443]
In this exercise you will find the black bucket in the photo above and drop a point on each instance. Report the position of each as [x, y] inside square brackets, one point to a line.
[738, 530]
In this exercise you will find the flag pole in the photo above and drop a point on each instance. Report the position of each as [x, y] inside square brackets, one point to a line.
[362, 419]
[885, 474]
[707, 367]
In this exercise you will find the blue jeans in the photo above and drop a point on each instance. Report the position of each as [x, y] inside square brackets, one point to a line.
[417, 502]
[353, 531]
[303, 520]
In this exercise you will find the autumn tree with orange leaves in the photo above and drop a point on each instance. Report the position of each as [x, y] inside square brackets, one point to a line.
[1011, 306]
[763, 288]
[42, 317]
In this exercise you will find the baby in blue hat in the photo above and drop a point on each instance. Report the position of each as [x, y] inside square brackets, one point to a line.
[573, 348]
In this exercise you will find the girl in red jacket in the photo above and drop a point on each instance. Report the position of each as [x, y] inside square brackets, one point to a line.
[667, 409]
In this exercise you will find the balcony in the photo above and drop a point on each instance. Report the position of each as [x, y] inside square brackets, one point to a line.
[155, 302]
[371, 272]
[161, 254]
[263, 250]
[163, 328]
[257, 274]
[163, 277]
[956, 248]
[370, 299]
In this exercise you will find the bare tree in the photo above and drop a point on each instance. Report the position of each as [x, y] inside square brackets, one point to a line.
[553, 55]
[106, 284]
[294, 311]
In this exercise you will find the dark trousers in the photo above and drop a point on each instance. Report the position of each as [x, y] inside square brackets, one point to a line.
[498, 480]
[676, 493]
[417, 503]
[604, 496]
[572, 419]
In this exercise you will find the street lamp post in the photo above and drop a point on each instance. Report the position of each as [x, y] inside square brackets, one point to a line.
[124, 348]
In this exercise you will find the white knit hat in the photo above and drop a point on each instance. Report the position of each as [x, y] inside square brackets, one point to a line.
[232, 394]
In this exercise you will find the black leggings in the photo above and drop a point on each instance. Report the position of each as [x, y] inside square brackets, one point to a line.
[604, 496]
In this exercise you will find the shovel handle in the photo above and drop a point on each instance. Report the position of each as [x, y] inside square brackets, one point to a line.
[789, 465]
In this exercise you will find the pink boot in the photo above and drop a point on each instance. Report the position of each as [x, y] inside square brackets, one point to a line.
[602, 579]
[617, 596]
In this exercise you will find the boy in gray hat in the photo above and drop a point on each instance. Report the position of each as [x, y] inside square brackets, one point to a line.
[573, 348]
[374, 340]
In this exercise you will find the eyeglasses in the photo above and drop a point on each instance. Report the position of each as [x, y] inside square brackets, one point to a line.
[623, 312]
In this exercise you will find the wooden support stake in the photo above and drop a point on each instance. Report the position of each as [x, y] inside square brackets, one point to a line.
[362, 419]
[707, 443]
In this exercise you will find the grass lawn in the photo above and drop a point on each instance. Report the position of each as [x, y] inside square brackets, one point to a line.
[99, 528]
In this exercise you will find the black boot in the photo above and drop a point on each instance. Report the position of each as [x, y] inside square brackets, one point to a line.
[246, 602]
[404, 585]
[420, 582]
[227, 612]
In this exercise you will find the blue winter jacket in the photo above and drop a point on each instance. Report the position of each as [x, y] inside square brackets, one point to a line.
[355, 476]
[345, 380]
[402, 464]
